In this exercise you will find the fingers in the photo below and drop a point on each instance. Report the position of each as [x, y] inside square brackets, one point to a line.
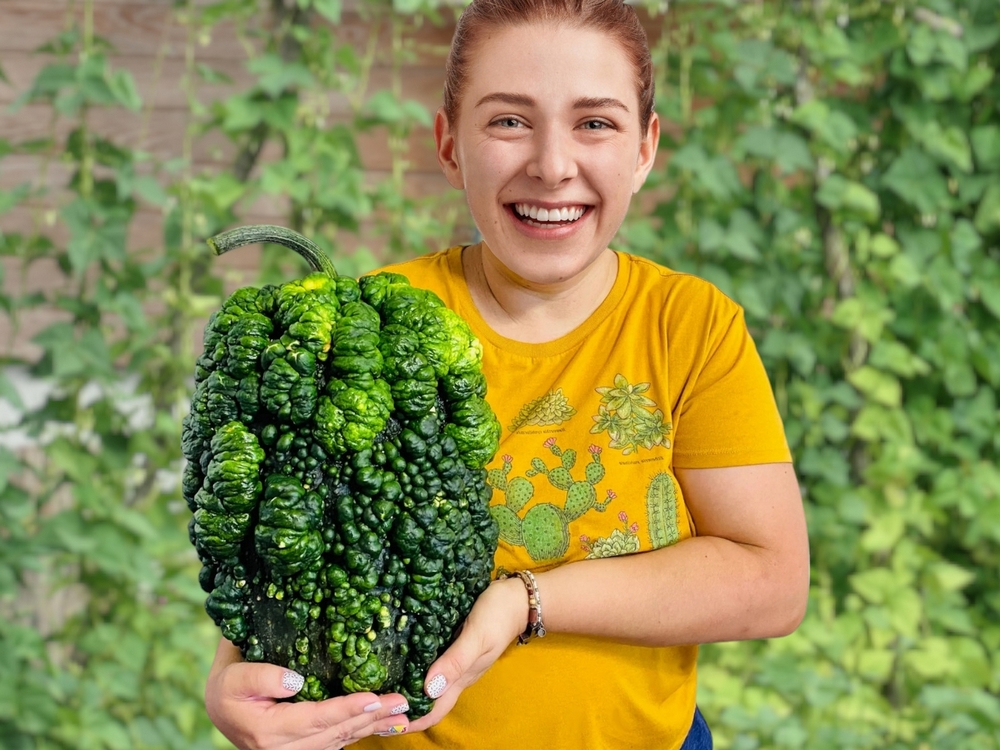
[253, 681]
[341, 721]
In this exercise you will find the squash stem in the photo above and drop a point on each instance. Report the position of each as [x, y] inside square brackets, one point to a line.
[256, 233]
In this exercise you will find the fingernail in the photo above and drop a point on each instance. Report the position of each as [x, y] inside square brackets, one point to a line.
[402, 708]
[292, 681]
[398, 729]
[372, 707]
[435, 688]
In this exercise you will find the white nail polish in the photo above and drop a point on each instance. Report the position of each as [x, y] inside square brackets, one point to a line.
[292, 681]
[435, 688]
[402, 708]
[371, 707]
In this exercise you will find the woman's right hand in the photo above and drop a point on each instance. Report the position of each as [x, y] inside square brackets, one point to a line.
[242, 699]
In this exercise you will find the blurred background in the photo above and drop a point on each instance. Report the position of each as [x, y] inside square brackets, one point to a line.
[833, 165]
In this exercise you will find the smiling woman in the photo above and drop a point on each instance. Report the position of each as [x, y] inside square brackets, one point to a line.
[644, 490]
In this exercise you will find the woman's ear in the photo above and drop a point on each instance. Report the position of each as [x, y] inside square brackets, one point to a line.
[444, 139]
[647, 153]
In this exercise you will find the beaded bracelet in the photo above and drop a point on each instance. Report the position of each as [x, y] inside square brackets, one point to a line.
[535, 628]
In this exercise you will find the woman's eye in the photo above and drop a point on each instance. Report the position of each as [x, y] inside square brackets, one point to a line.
[597, 125]
[508, 122]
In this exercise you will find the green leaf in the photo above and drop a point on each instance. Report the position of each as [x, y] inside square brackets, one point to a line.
[788, 150]
[951, 577]
[921, 45]
[877, 385]
[329, 9]
[989, 295]
[9, 392]
[832, 127]
[884, 532]
[150, 189]
[986, 146]
[9, 464]
[49, 82]
[12, 197]
[123, 89]
[959, 378]
[905, 270]
[864, 316]
[875, 585]
[384, 108]
[951, 51]
[966, 86]
[840, 194]
[915, 178]
[987, 219]
[275, 75]
[208, 74]
[883, 246]
[950, 145]
[980, 37]
[896, 357]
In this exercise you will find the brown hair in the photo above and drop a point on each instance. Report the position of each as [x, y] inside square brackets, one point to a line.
[610, 16]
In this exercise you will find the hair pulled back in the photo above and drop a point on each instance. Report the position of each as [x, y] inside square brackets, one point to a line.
[612, 17]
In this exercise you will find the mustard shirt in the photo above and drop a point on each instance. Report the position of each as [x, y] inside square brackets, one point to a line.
[663, 374]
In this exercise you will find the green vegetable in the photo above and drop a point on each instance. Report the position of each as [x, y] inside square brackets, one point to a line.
[335, 451]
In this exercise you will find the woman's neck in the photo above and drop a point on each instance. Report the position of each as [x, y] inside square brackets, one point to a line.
[529, 313]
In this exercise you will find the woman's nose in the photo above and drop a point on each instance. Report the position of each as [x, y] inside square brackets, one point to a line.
[553, 157]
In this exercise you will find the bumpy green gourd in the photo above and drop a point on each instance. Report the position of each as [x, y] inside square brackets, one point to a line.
[335, 451]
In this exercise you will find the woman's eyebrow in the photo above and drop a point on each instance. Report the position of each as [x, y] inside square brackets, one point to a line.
[504, 98]
[522, 100]
[599, 103]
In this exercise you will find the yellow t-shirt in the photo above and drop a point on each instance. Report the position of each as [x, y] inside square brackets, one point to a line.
[664, 374]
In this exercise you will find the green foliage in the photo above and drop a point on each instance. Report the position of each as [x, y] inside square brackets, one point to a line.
[833, 165]
[104, 642]
[834, 168]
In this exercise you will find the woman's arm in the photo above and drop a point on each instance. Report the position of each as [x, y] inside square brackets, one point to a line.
[746, 575]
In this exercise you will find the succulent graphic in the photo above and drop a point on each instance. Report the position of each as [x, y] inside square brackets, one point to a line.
[544, 529]
[550, 409]
[661, 510]
[518, 491]
[624, 414]
[621, 541]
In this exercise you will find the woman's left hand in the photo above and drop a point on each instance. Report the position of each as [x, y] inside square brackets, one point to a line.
[497, 618]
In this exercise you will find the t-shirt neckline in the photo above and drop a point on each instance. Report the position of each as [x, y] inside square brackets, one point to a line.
[549, 348]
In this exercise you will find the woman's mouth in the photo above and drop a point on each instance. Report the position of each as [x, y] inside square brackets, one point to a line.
[547, 218]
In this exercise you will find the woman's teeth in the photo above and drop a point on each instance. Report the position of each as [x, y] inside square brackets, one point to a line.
[543, 216]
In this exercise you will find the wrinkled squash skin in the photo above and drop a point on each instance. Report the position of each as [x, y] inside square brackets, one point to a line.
[335, 451]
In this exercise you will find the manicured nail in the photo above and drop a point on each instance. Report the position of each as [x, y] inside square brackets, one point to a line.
[398, 729]
[292, 681]
[372, 707]
[402, 708]
[435, 688]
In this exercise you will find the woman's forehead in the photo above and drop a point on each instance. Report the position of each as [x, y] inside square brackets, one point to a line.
[529, 60]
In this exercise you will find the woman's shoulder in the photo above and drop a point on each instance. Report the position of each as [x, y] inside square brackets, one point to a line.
[431, 262]
[677, 289]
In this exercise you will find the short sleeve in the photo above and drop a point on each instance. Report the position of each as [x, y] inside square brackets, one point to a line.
[725, 412]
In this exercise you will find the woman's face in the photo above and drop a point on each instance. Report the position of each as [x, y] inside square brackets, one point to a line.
[547, 146]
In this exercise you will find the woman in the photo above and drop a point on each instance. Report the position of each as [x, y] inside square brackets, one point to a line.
[637, 418]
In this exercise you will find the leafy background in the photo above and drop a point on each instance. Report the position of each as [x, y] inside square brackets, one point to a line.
[833, 166]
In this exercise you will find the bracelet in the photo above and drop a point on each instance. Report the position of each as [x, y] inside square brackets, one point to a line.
[535, 628]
